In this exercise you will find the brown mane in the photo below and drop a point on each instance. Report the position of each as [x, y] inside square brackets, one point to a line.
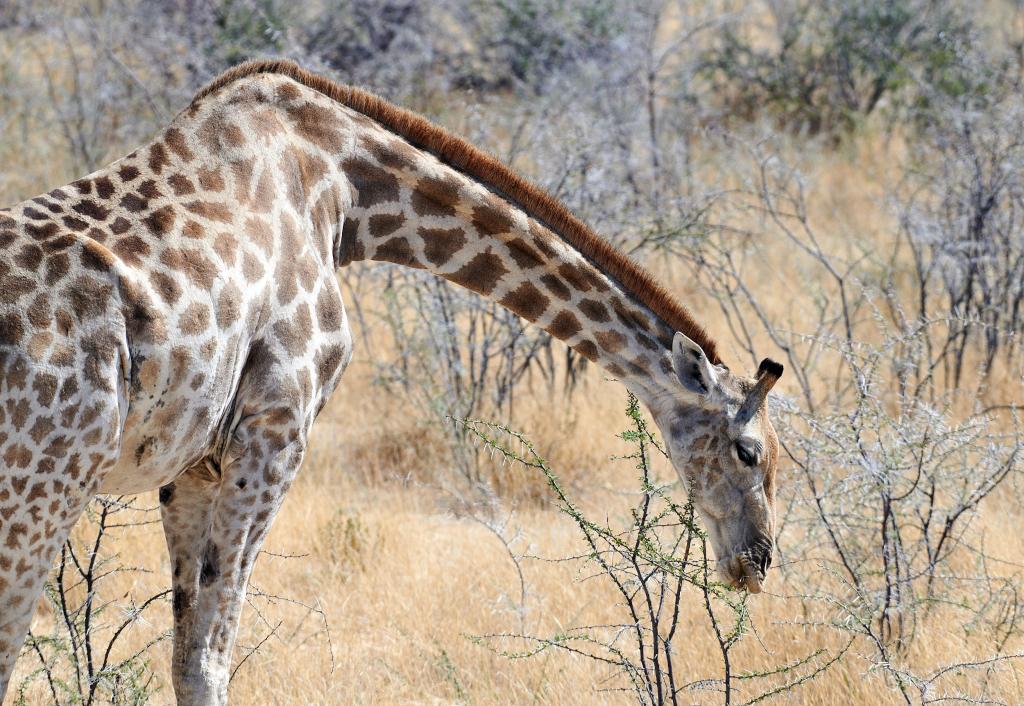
[492, 173]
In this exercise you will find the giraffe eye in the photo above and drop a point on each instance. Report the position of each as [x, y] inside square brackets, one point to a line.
[747, 458]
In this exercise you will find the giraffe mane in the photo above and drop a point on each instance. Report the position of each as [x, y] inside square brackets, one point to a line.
[487, 169]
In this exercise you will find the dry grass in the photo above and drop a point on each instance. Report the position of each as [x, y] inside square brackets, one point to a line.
[404, 583]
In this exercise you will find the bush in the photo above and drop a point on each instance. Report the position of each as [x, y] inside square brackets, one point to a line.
[652, 562]
[892, 487]
[826, 65]
[962, 216]
[78, 659]
[523, 43]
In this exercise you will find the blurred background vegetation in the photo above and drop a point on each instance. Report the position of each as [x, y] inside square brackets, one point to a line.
[836, 183]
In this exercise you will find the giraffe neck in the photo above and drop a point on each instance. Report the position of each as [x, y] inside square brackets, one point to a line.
[408, 208]
[369, 193]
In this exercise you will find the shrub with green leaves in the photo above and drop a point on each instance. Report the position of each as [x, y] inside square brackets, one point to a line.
[654, 556]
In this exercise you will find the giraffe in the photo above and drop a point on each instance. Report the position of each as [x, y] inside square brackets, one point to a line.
[174, 321]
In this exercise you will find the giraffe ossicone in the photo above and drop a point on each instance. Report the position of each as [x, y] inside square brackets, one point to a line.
[174, 321]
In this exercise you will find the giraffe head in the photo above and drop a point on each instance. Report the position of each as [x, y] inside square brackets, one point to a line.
[724, 448]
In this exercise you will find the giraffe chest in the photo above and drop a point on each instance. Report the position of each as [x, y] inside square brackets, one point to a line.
[179, 397]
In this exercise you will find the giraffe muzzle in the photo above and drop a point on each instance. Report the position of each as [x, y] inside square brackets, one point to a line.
[747, 569]
[753, 577]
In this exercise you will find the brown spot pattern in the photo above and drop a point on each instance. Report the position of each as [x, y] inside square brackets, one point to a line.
[181, 185]
[384, 224]
[128, 172]
[480, 274]
[398, 251]
[526, 301]
[160, 221]
[194, 319]
[587, 349]
[524, 254]
[157, 158]
[176, 141]
[104, 187]
[574, 277]
[565, 325]
[373, 184]
[92, 209]
[594, 310]
[316, 124]
[556, 287]
[439, 244]
[435, 197]
[611, 341]
[228, 305]
[491, 220]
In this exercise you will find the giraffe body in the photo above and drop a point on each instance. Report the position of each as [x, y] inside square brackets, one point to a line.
[173, 321]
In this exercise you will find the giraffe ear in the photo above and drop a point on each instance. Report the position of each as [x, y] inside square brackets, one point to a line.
[692, 367]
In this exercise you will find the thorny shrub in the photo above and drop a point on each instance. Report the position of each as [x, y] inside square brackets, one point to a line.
[653, 556]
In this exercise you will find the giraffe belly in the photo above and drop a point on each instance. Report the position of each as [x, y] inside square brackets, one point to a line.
[152, 456]
[173, 420]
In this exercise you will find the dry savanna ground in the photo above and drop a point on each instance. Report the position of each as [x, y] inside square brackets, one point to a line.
[373, 583]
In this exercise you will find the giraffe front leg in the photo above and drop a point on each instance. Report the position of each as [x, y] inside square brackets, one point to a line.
[217, 547]
[34, 524]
